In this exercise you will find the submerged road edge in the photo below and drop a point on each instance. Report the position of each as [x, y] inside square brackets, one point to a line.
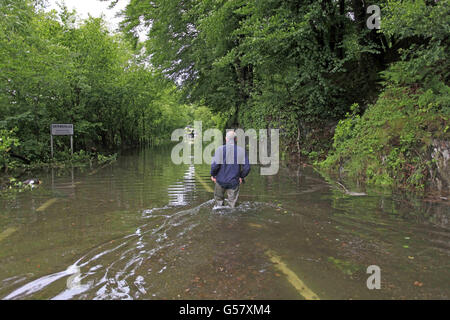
[298, 284]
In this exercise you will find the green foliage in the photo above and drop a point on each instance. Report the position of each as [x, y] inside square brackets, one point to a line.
[281, 64]
[56, 69]
[346, 267]
[300, 66]
[102, 159]
[390, 143]
[209, 119]
[7, 141]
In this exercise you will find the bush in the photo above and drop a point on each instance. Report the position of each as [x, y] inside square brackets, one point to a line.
[7, 140]
[390, 143]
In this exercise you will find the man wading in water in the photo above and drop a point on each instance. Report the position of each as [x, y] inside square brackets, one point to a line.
[229, 167]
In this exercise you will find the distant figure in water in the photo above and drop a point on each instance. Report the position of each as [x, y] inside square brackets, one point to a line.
[229, 167]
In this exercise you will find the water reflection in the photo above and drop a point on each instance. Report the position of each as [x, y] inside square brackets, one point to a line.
[65, 186]
[183, 192]
[144, 228]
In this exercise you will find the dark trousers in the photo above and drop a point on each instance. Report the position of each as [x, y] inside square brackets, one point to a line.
[219, 195]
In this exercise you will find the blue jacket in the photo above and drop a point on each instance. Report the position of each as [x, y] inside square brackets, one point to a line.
[230, 163]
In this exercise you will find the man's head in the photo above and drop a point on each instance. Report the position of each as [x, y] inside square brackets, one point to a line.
[231, 136]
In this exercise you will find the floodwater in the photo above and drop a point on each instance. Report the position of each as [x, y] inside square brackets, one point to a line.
[144, 228]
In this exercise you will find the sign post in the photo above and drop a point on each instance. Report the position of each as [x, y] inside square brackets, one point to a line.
[51, 142]
[61, 130]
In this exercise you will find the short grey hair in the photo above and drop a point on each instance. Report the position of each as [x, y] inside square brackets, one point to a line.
[230, 135]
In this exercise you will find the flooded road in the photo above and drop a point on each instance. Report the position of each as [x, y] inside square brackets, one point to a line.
[144, 228]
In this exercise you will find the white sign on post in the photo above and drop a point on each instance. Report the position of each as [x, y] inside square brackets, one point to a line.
[61, 130]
